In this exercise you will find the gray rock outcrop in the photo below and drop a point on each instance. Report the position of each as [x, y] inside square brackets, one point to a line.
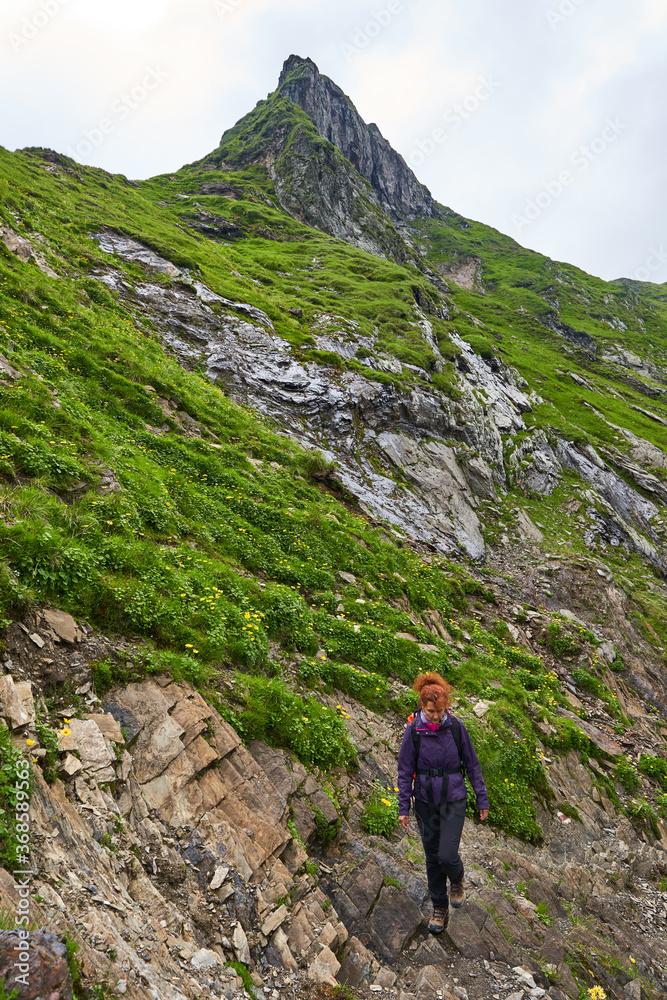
[338, 121]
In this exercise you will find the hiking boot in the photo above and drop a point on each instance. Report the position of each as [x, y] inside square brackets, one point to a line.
[457, 894]
[439, 920]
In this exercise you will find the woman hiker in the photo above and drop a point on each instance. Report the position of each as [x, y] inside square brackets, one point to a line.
[436, 749]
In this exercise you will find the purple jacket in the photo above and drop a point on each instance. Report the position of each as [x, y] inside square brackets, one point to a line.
[437, 749]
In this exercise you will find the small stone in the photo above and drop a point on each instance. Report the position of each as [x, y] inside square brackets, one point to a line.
[37, 639]
[240, 942]
[325, 967]
[71, 765]
[525, 975]
[274, 921]
[481, 708]
[204, 959]
[7, 370]
[347, 577]
[16, 702]
[219, 876]
[63, 625]
[107, 725]
[385, 978]
[607, 651]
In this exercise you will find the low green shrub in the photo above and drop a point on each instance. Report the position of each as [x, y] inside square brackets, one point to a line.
[241, 970]
[570, 737]
[654, 767]
[271, 711]
[325, 832]
[49, 741]
[589, 682]
[562, 643]
[626, 775]
[643, 816]
[370, 689]
[380, 815]
[74, 966]
[404, 705]
[514, 773]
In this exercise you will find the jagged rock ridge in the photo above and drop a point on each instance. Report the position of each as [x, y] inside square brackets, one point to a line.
[337, 120]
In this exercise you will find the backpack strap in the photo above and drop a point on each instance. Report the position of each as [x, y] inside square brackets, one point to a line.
[438, 772]
[416, 738]
[456, 733]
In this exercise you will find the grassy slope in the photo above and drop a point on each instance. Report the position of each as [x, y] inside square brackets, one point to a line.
[207, 555]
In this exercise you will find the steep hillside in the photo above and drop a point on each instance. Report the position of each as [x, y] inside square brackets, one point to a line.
[277, 433]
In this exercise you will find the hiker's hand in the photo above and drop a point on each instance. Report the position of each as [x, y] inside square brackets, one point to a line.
[404, 821]
[483, 813]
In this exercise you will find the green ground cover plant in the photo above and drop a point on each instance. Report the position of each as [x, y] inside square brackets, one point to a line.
[269, 710]
[380, 815]
[626, 775]
[370, 689]
[655, 768]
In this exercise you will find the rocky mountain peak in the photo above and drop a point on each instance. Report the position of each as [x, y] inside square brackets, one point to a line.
[337, 120]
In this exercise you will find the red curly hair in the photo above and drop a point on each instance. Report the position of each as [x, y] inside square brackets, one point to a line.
[432, 687]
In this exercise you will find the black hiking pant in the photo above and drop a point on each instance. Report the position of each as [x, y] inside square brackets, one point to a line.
[441, 836]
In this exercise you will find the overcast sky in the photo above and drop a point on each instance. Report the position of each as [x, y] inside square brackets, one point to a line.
[544, 118]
